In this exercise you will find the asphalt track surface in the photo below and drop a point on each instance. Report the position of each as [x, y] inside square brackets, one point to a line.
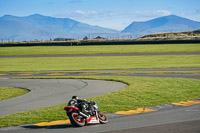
[177, 119]
[49, 92]
[173, 120]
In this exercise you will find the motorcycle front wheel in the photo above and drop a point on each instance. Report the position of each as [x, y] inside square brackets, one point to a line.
[102, 118]
[76, 119]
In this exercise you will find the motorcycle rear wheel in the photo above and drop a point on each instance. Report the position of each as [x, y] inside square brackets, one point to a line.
[76, 119]
[102, 118]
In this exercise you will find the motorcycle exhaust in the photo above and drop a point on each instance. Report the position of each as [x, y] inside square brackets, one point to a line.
[84, 115]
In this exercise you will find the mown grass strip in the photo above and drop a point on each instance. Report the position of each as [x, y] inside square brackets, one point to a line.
[141, 92]
[10, 92]
[107, 62]
[94, 72]
[53, 50]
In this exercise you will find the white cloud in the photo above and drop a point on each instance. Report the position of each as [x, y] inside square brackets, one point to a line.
[92, 12]
[80, 12]
[155, 13]
[162, 12]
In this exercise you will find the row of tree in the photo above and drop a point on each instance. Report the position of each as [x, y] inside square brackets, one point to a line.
[109, 37]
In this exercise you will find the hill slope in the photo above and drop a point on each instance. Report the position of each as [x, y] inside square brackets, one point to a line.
[42, 27]
[170, 23]
[187, 35]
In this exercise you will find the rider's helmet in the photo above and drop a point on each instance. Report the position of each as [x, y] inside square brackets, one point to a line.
[75, 98]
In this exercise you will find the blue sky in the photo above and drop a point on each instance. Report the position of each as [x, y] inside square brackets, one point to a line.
[115, 14]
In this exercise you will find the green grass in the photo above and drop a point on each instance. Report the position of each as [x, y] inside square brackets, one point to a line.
[53, 50]
[93, 72]
[119, 72]
[141, 92]
[10, 92]
[107, 62]
[139, 72]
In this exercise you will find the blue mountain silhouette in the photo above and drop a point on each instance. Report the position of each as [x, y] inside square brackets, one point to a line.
[170, 23]
[43, 27]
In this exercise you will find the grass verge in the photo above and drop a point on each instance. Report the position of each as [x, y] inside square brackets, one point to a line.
[107, 62]
[10, 92]
[53, 50]
[95, 72]
[141, 92]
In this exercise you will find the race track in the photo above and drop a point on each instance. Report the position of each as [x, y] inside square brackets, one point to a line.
[176, 119]
[49, 92]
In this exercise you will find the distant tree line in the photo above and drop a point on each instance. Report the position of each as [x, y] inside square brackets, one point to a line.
[64, 39]
[87, 37]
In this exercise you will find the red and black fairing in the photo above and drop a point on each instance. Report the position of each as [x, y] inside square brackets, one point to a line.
[92, 119]
[79, 118]
[70, 109]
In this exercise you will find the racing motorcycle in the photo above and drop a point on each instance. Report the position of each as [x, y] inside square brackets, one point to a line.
[79, 119]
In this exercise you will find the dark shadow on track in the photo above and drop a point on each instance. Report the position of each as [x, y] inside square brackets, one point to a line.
[61, 126]
[48, 127]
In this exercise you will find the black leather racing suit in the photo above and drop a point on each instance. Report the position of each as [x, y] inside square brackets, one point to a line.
[83, 105]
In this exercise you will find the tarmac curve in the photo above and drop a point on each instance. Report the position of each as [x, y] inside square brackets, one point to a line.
[49, 92]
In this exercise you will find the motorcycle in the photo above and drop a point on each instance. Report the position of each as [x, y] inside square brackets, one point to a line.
[79, 119]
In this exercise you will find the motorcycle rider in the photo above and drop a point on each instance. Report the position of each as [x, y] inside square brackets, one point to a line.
[84, 105]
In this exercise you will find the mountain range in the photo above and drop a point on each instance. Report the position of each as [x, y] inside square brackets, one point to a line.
[41, 27]
[170, 23]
